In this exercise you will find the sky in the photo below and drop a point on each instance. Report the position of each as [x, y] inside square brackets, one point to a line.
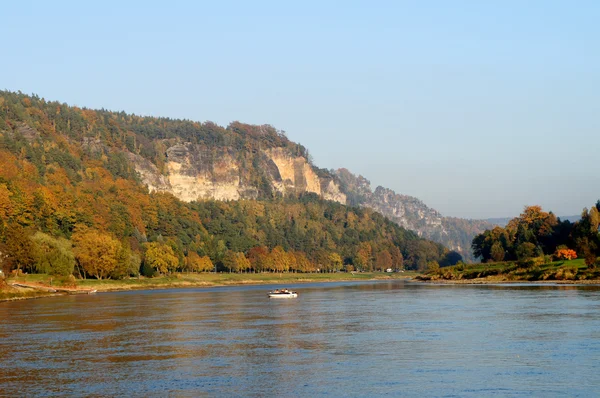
[477, 108]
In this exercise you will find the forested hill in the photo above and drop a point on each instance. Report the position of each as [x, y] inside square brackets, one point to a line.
[195, 161]
[74, 187]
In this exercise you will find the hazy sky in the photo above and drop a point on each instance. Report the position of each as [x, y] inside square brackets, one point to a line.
[476, 107]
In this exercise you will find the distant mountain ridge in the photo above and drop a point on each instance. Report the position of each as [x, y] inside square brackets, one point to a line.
[503, 221]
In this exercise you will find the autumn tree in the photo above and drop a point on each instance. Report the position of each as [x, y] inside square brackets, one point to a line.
[564, 253]
[96, 252]
[160, 257]
[192, 262]
[362, 259]
[17, 249]
[397, 259]
[235, 261]
[303, 264]
[335, 262]
[258, 258]
[383, 260]
[278, 260]
[205, 264]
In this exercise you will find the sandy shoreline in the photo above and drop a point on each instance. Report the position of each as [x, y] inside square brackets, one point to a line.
[115, 286]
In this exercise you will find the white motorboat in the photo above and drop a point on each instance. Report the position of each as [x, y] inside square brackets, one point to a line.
[282, 293]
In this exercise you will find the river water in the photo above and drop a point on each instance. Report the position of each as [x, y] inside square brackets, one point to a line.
[337, 339]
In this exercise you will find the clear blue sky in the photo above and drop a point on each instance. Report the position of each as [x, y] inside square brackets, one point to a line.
[476, 107]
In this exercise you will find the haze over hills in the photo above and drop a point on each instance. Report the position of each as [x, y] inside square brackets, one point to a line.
[502, 221]
[196, 161]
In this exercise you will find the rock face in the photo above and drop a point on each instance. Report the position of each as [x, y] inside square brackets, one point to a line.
[295, 175]
[195, 172]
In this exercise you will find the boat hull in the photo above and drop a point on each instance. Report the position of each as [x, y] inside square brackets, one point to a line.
[285, 295]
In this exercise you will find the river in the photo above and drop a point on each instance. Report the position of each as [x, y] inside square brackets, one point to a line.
[337, 339]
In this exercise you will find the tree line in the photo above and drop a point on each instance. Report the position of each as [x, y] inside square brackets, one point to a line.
[536, 233]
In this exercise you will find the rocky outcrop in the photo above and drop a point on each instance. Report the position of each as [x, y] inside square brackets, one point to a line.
[194, 172]
[295, 175]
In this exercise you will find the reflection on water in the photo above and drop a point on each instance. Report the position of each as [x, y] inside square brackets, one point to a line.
[341, 339]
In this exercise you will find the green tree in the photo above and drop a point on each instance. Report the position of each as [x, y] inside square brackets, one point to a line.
[53, 256]
[432, 266]
[525, 250]
[497, 251]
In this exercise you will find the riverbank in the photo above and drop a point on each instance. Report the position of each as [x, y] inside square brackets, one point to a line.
[182, 280]
[502, 281]
[531, 271]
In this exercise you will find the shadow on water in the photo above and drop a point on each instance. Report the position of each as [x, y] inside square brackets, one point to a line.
[343, 339]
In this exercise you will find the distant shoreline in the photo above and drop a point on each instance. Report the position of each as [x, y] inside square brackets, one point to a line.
[483, 281]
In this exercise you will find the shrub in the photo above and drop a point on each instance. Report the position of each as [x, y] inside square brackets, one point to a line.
[590, 259]
[68, 281]
[148, 271]
[565, 273]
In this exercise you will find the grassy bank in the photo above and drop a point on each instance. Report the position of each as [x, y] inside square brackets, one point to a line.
[182, 280]
[9, 293]
[557, 271]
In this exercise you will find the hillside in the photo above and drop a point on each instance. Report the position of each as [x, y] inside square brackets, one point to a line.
[73, 180]
[411, 213]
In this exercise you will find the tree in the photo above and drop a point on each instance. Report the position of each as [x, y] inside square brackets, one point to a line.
[192, 262]
[258, 258]
[96, 252]
[397, 259]
[277, 260]
[195, 263]
[564, 253]
[54, 256]
[525, 250]
[242, 263]
[383, 260]
[235, 261]
[594, 215]
[432, 266]
[128, 263]
[451, 258]
[497, 251]
[205, 264]
[362, 259]
[17, 249]
[335, 261]
[161, 257]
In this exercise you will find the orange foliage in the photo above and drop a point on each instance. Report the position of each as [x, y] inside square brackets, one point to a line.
[565, 254]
